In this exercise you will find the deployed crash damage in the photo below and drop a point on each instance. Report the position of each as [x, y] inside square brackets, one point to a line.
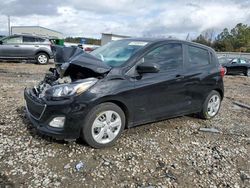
[74, 69]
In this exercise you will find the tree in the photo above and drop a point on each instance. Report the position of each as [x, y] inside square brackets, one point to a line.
[237, 39]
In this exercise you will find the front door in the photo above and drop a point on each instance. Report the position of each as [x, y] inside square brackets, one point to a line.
[161, 94]
[10, 47]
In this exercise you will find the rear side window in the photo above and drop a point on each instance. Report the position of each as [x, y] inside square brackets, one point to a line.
[197, 56]
[242, 61]
[168, 56]
[28, 39]
[40, 40]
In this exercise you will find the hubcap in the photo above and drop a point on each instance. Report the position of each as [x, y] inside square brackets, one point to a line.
[106, 127]
[42, 59]
[213, 105]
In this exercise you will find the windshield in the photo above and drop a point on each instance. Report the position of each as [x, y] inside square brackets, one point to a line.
[118, 52]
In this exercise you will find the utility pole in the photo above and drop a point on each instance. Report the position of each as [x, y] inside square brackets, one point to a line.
[9, 25]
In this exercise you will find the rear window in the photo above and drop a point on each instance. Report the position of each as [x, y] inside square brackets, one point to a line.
[28, 39]
[40, 40]
[197, 56]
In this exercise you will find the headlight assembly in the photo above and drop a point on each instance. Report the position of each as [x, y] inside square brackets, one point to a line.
[75, 88]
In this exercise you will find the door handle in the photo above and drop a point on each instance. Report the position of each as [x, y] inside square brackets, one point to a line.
[16, 45]
[179, 76]
[36, 46]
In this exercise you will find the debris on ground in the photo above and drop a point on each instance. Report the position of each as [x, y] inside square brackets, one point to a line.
[211, 130]
[79, 166]
[170, 176]
[243, 105]
[67, 166]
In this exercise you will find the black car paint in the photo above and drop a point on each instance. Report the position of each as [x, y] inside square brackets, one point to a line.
[143, 98]
[236, 67]
[75, 56]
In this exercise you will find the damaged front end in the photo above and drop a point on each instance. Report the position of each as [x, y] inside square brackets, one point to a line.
[74, 72]
[55, 106]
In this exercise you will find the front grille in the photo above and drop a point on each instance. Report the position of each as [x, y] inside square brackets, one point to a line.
[34, 106]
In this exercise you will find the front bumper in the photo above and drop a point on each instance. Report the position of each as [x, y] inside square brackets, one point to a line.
[41, 112]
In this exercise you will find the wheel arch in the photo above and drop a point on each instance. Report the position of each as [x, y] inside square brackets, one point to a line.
[124, 109]
[220, 92]
[42, 51]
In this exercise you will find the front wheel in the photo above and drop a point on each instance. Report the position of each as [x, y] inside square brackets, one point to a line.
[42, 58]
[211, 105]
[103, 125]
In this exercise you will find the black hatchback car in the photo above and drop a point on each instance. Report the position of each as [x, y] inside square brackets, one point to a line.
[123, 84]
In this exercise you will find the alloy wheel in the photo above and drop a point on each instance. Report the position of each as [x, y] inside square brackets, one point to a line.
[213, 105]
[106, 127]
[42, 59]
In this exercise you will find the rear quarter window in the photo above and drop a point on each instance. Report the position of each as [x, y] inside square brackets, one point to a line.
[40, 40]
[197, 56]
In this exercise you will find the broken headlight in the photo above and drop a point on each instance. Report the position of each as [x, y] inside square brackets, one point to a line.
[66, 90]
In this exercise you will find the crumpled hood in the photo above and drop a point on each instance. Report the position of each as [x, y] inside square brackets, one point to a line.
[76, 56]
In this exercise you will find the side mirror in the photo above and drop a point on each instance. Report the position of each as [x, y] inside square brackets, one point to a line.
[147, 68]
[1, 42]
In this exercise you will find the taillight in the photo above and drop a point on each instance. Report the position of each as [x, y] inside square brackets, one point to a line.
[222, 71]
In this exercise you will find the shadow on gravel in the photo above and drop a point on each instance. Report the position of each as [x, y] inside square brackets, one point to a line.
[4, 182]
[21, 111]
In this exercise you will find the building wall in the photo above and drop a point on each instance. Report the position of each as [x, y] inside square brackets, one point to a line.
[36, 30]
[106, 38]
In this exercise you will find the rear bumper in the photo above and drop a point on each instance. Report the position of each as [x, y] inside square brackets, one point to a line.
[41, 114]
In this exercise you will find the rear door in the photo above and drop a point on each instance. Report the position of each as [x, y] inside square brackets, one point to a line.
[199, 75]
[10, 47]
[28, 46]
[162, 94]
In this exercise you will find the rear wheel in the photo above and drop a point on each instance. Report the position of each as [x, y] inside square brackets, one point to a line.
[211, 105]
[247, 73]
[42, 58]
[225, 70]
[103, 125]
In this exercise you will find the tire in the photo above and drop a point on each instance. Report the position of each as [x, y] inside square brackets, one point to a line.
[247, 73]
[210, 109]
[99, 130]
[225, 70]
[42, 58]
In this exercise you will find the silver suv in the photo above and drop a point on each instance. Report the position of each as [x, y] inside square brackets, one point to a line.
[26, 47]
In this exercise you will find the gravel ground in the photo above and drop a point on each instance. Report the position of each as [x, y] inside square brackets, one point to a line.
[171, 153]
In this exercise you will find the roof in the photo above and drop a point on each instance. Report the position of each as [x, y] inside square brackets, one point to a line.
[36, 27]
[154, 40]
[115, 35]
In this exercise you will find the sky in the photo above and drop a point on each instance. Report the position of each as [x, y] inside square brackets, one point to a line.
[139, 18]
